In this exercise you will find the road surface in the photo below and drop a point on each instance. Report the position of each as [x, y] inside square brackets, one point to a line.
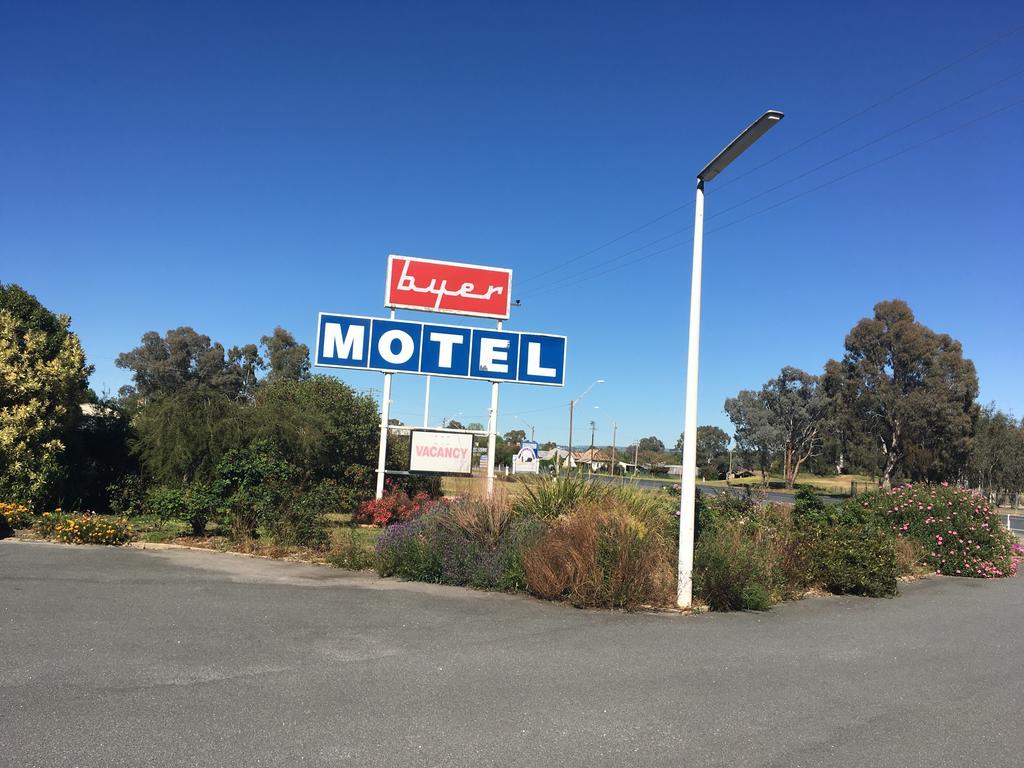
[122, 657]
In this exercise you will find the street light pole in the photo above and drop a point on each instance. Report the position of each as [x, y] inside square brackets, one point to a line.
[684, 587]
[532, 428]
[572, 406]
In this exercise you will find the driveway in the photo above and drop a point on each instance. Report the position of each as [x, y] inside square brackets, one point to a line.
[124, 657]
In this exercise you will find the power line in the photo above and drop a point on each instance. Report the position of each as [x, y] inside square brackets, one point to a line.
[878, 162]
[790, 199]
[803, 174]
[905, 89]
[875, 105]
[873, 141]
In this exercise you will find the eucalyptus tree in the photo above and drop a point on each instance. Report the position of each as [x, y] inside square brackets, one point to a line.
[911, 392]
[786, 417]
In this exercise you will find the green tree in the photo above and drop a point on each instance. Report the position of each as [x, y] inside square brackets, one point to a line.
[43, 378]
[185, 359]
[287, 358]
[910, 390]
[800, 411]
[997, 456]
[757, 433]
[652, 444]
[182, 436]
[712, 449]
[515, 438]
[322, 426]
[788, 416]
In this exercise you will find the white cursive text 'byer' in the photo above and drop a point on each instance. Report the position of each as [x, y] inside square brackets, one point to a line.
[408, 283]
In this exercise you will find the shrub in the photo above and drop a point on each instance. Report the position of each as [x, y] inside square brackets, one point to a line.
[480, 542]
[749, 556]
[15, 516]
[729, 572]
[302, 523]
[855, 558]
[956, 528]
[405, 550]
[712, 509]
[256, 483]
[548, 498]
[127, 496]
[84, 528]
[200, 503]
[600, 556]
[395, 506]
[166, 503]
[195, 504]
[809, 508]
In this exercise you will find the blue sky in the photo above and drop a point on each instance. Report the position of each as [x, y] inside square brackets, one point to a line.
[236, 166]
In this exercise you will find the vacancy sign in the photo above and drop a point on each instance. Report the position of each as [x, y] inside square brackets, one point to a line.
[403, 346]
[445, 286]
[449, 453]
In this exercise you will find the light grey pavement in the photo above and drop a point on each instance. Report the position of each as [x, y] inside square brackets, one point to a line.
[123, 657]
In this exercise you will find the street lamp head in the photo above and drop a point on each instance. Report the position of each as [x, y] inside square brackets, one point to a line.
[739, 145]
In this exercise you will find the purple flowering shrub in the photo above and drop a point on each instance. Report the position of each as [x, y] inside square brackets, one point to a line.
[957, 529]
[407, 550]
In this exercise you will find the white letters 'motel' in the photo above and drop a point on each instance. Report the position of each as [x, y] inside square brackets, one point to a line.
[446, 343]
[494, 355]
[385, 346]
[338, 344]
[533, 366]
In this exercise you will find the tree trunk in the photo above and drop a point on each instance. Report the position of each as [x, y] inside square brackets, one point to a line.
[891, 452]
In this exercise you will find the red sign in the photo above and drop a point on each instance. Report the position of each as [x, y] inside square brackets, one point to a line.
[444, 286]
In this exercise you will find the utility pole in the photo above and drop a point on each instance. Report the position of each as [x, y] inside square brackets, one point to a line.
[636, 457]
[568, 460]
[615, 428]
[572, 406]
[593, 429]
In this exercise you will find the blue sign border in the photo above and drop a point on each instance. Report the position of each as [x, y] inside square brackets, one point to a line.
[516, 355]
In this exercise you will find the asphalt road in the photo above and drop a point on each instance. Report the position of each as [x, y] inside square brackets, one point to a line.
[121, 657]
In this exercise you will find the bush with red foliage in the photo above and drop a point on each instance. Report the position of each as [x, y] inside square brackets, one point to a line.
[395, 506]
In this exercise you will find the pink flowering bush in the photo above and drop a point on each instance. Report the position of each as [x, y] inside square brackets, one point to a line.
[958, 531]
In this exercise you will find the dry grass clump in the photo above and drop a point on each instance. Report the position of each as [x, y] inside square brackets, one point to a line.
[479, 518]
[601, 555]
